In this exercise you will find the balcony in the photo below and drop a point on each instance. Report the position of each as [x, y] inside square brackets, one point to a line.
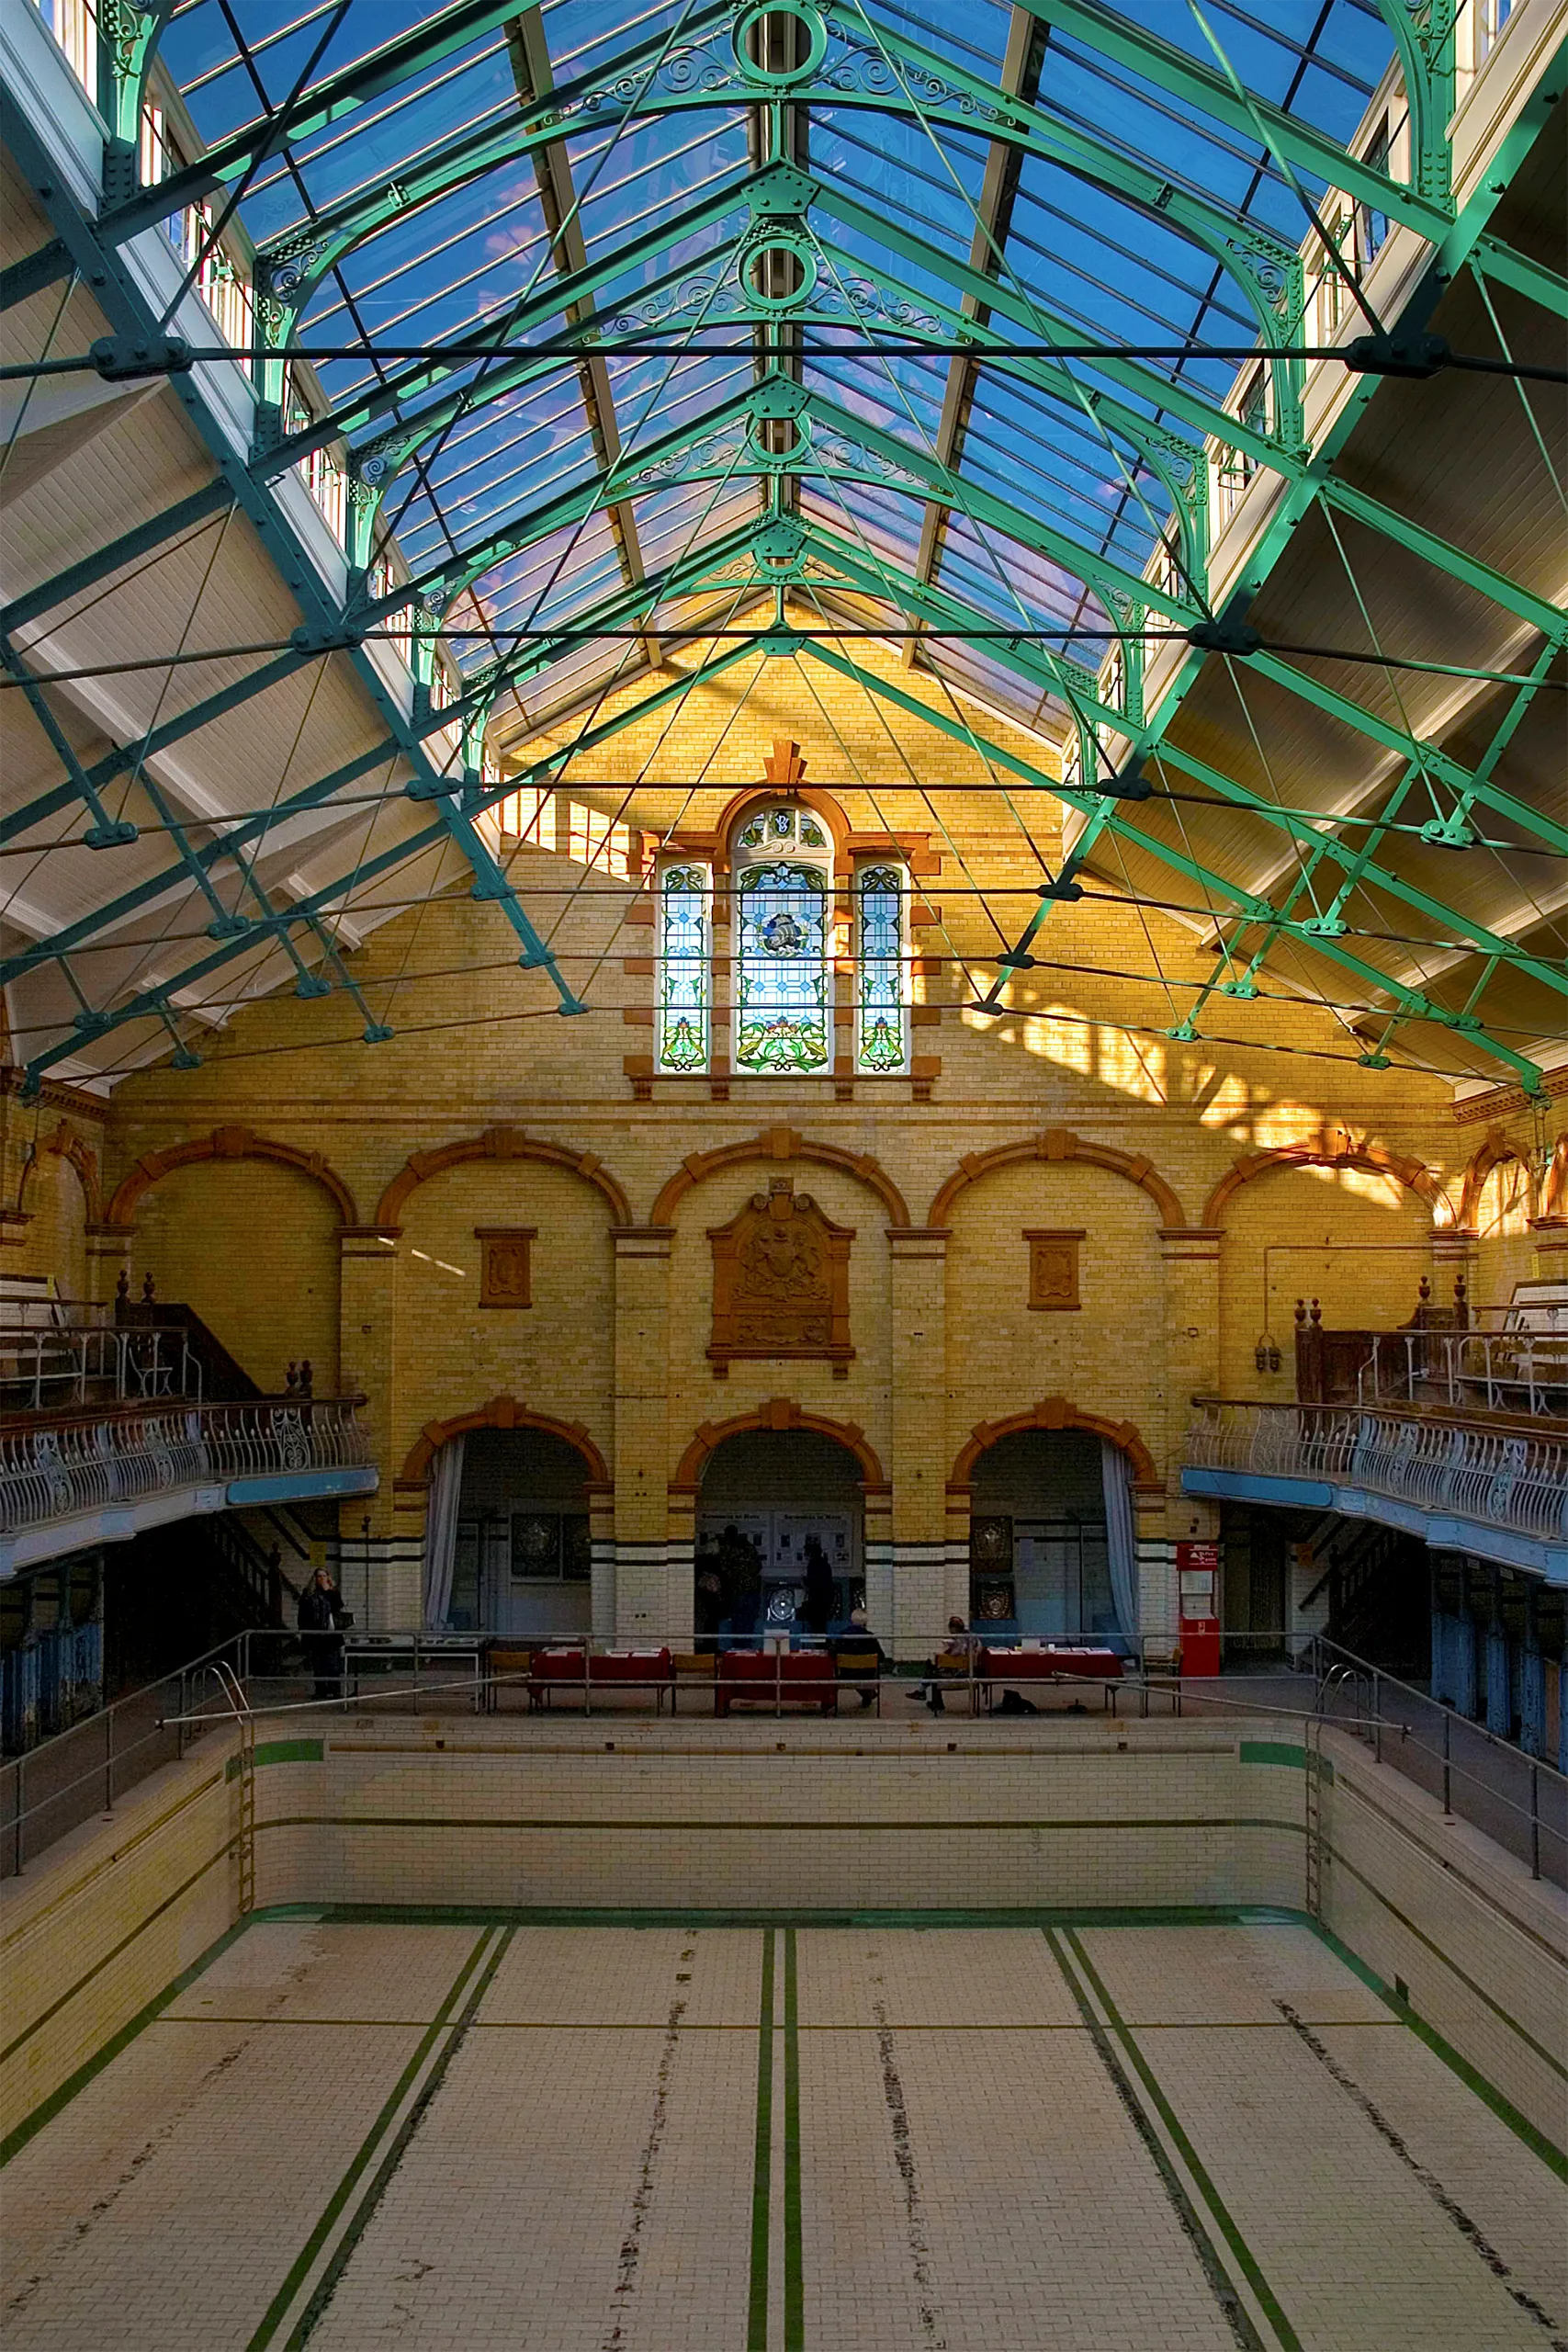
[1497, 1487]
[102, 1474]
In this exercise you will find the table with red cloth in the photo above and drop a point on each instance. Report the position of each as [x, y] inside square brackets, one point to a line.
[776, 1678]
[1070, 1660]
[578, 1669]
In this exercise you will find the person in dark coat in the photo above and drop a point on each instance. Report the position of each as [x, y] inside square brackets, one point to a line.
[740, 1571]
[709, 1610]
[821, 1597]
[322, 1617]
[850, 1650]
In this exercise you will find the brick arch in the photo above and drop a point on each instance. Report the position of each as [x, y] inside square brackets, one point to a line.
[1494, 1151]
[1060, 1144]
[780, 1142]
[501, 1413]
[69, 1146]
[1053, 1413]
[758, 796]
[229, 1143]
[499, 1143]
[1334, 1148]
[778, 1413]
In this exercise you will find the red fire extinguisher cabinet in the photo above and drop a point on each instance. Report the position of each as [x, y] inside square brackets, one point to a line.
[1198, 1581]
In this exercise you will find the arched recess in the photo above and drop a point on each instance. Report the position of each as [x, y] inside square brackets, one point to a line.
[501, 1413]
[780, 1142]
[1554, 1196]
[1333, 1148]
[229, 1143]
[1053, 1413]
[778, 1413]
[81, 1156]
[498, 1143]
[1060, 1144]
[1494, 1152]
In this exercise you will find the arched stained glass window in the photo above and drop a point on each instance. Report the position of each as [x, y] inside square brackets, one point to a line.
[783, 866]
[783, 880]
[882, 1016]
[684, 972]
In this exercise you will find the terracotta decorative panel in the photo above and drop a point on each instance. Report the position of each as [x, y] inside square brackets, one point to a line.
[506, 1277]
[1053, 1266]
[781, 1279]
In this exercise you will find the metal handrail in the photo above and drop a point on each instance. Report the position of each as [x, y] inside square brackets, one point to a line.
[44, 1365]
[55, 1472]
[1519, 1366]
[1502, 1477]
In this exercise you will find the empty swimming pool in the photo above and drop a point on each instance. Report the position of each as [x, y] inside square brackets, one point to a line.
[449, 2131]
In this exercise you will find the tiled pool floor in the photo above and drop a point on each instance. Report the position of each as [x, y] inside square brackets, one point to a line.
[557, 2139]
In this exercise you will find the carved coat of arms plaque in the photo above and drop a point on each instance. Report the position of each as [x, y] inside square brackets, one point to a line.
[780, 1280]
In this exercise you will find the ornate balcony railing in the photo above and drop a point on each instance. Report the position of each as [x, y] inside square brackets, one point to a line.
[1501, 1478]
[1511, 1369]
[95, 1462]
[56, 1365]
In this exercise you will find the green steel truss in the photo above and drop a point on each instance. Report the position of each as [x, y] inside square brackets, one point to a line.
[864, 274]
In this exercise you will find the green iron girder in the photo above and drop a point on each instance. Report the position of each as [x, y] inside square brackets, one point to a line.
[882, 71]
[156, 1003]
[1183, 78]
[1114, 820]
[129, 310]
[250, 834]
[554, 299]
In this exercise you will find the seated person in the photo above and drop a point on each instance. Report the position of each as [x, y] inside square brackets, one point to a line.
[857, 1643]
[961, 1644]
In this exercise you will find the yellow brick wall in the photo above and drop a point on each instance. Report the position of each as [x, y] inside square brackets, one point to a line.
[1076, 1047]
[252, 1250]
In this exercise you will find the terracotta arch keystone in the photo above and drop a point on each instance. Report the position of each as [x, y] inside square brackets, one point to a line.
[499, 1143]
[1332, 1147]
[71, 1147]
[1056, 1145]
[501, 1413]
[1051, 1413]
[229, 1143]
[779, 1143]
[777, 1413]
[1494, 1151]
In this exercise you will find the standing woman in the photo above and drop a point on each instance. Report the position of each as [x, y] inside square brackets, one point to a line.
[820, 1598]
[322, 1617]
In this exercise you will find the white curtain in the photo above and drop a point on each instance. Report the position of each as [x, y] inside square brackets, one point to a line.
[1115, 1473]
[441, 1530]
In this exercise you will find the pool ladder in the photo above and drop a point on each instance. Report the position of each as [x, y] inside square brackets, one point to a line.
[233, 1692]
[1313, 1803]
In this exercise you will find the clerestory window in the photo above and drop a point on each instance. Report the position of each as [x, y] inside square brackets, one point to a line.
[785, 893]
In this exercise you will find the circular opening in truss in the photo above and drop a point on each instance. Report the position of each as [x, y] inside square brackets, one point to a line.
[780, 42]
[778, 275]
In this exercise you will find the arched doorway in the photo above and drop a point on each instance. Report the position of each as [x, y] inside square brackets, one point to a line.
[1051, 1547]
[521, 1562]
[777, 1488]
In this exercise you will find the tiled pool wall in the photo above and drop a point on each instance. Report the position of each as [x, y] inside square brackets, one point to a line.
[771, 1820]
[788, 1824]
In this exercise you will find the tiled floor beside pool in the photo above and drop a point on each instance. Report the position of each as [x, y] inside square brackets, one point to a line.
[580, 2139]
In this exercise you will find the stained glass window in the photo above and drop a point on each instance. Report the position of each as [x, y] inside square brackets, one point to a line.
[783, 983]
[782, 1009]
[684, 994]
[882, 1018]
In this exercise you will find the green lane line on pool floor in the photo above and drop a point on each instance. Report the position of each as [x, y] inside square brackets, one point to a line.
[763, 2159]
[1220, 2285]
[310, 2251]
[1247, 2262]
[365, 2211]
[795, 2267]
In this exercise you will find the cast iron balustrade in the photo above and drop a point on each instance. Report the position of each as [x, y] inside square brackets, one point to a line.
[64, 1468]
[1503, 1477]
[1509, 1369]
[64, 1353]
